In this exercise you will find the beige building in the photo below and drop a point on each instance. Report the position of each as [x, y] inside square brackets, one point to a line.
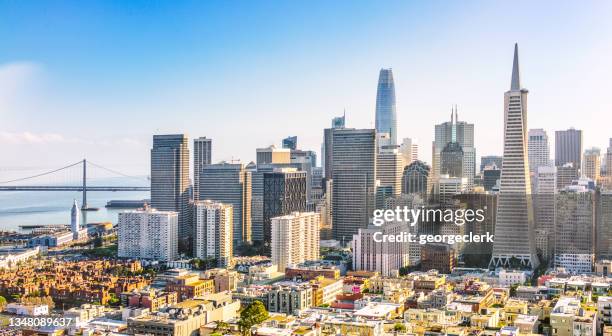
[273, 154]
[568, 318]
[295, 239]
[213, 237]
[591, 163]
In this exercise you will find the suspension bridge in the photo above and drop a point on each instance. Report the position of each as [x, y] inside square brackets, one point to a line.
[32, 183]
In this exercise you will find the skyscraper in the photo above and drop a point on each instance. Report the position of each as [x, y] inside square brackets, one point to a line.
[213, 231]
[591, 165]
[389, 169]
[544, 209]
[575, 228]
[451, 160]
[568, 147]
[170, 182]
[284, 191]
[290, 142]
[514, 239]
[462, 133]
[415, 179]
[354, 180]
[230, 183]
[489, 160]
[202, 156]
[326, 147]
[272, 154]
[538, 148]
[386, 119]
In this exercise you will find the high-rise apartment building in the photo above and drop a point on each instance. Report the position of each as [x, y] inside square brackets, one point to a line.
[514, 225]
[272, 154]
[148, 234]
[377, 256]
[568, 147]
[462, 133]
[230, 183]
[170, 182]
[389, 169]
[214, 228]
[386, 118]
[202, 156]
[354, 180]
[575, 229]
[591, 165]
[538, 148]
[294, 239]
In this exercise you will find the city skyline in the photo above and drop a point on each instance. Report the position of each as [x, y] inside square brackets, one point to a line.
[127, 105]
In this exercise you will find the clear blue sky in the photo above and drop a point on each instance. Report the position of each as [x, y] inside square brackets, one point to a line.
[98, 78]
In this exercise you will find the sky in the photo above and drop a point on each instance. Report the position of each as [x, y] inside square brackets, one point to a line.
[97, 79]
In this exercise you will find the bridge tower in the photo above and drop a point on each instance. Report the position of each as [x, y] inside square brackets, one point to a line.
[84, 204]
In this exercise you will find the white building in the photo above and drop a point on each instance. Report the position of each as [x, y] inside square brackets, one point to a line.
[538, 149]
[295, 238]
[213, 223]
[446, 187]
[148, 234]
[510, 277]
[372, 254]
[9, 258]
[27, 310]
[78, 232]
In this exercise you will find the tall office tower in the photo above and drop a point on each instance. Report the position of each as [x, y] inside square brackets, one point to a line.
[148, 234]
[384, 257]
[566, 174]
[415, 179]
[538, 148]
[574, 229]
[354, 180]
[609, 159]
[462, 133]
[477, 254]
[316, 184]
[295, 239]
[514, 225]
[591, 165]
[290, 142]
[272, 154]
[490, 177]
[603, 231]
[406, 149]
[389, 169]
[326, 147]
[213, 231]
[230, 183]
[284, 191]
[447, 187]
[386, 118]
[451, 160]
[489, 160]
[170, 182]
[544, 209]
[568, 147]
[202, 156]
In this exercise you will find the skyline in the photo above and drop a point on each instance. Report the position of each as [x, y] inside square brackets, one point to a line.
[145, 80]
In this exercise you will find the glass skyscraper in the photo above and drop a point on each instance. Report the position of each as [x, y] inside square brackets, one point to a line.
[386, 118]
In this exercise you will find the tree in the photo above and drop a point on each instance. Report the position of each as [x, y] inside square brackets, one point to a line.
[253, 314]
[2, 303]
[399, 327]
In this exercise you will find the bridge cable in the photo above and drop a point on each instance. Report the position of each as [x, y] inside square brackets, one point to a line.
[115, 172]
[41, 174]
